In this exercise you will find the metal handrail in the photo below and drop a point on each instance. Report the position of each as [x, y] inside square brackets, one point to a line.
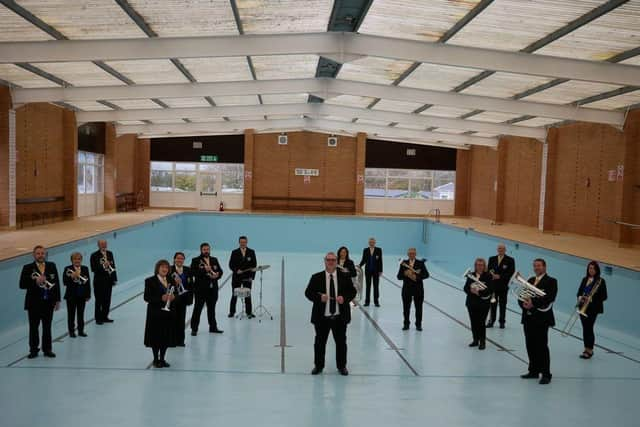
[437, 213]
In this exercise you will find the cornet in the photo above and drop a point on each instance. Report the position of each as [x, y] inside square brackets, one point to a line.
[179, 284]
[410, 272]
[524, 290]
[203, 266]
[80, 278]
[167, 306]
[46, 285]
[107, 265]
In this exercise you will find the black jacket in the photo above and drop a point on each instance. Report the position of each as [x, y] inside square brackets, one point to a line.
[419, 266]
[317, 286]
[377, 263]
[596, 305]
[542, 311]
[238, 262]
[100, 275]
[202, 283]
[351, 269]
[505, 269]
[159, 330]
[484, 297]
[74, 289]
[186, 298]
[34, 297]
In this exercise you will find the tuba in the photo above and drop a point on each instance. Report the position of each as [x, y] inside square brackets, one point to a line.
[581, 309]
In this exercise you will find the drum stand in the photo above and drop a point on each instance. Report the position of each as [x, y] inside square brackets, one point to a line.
[261, 310]
[243, 310]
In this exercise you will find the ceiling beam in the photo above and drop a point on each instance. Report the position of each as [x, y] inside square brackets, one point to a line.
[320, 43]
[317, 86]
[309, 109]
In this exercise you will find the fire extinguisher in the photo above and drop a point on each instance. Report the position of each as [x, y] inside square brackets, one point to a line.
[221, 206]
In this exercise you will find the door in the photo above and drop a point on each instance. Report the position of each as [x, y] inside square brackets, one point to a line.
[209, 187]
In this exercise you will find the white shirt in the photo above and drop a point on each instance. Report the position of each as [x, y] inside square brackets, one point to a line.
[538, 279]
[327, 278]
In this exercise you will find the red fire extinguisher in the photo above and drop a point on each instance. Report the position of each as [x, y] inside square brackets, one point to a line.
[221, 206]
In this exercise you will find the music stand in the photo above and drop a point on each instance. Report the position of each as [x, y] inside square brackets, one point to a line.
[261, 311]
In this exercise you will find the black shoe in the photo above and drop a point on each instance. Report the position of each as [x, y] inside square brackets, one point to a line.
[545, 380]
[32, 355]
[72, 334]
[316, 371]
[377, 304]
[82, 334]
[251, 316]
[231, 315]
[482, 346]
[343, 371]
[366, 304]
[180, 345]
[529, 375]
[215, 331]
[473, 344]
[49, 354]
[157, 364]
[194, 333]
[99, 322]
[164, 364]
[490, 325]
[501, 325]
[405, 328]
[108, 320]
[418, 328]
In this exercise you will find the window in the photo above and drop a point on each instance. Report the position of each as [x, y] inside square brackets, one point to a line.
[409, 184]
[90, 173]
[185, 177]
[161, 176]
[203, 177]
[232, 178]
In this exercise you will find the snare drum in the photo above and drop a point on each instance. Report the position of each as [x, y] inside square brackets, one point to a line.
[242, 292]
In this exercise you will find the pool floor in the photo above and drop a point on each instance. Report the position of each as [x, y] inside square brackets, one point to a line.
[257, 373]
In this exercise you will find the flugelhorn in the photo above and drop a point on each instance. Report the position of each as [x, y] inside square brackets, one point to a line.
[179, 284]
[46, 284]
[477, 284]
[167, 306]
[524, 290]
[581, 309]
[106, 265]
[71, 273]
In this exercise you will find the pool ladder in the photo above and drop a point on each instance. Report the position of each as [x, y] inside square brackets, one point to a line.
[434, 212]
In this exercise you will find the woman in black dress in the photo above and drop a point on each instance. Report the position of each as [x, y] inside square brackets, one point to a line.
[159, 331]
[347, 267]
[181, 274]
[77, 281]
[478, 302]
[595, 307]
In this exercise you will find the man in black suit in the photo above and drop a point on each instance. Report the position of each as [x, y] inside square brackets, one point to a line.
[537, 318]
[40, 279]
[412, 272]
[331, 294]
[242, 259]
[78, 292]
[372, 260]
[501, 267]
[206, 272]
[105, 278]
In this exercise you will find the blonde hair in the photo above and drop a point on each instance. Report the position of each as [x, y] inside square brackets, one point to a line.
[484, 263]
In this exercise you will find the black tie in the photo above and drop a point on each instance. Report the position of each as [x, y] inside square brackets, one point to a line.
[332, 296]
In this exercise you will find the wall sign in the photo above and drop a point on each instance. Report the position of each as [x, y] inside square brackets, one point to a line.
[611, 175]
[307, 172]
[208, 158]
[307, 179]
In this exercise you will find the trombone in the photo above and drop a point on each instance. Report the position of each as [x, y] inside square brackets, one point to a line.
[580, 309]
[46, 285]
[80, 279]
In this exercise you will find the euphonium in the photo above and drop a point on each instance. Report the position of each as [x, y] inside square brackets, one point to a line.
[477, 284]
[581, 309]
[80, 278]
[523, 289]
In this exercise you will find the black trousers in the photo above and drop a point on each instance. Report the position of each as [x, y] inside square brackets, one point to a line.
[416, 294]
[501, 300]
[588, 336]
[477, 316]
[42, 313]
[339, 330]
[180, 319]
[234, 299]
[210, 299]
[75, 308]
[102, 291]
[376, 287]
[536, 337]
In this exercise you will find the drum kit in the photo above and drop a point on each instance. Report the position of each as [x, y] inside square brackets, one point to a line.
[260, 311]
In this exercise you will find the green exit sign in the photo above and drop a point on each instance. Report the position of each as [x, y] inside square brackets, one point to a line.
[206, 158]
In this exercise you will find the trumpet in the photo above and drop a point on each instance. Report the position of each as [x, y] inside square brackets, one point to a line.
[477, 284]
[167, 306]
[106, 265]
[79, 279]
[179, 284]
[46, 285]
[581, 309]
[524, 290]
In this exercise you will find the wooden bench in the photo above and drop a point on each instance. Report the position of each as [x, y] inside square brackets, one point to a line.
[40, 210]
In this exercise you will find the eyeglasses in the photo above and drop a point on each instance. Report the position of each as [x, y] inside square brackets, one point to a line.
[331, 259]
